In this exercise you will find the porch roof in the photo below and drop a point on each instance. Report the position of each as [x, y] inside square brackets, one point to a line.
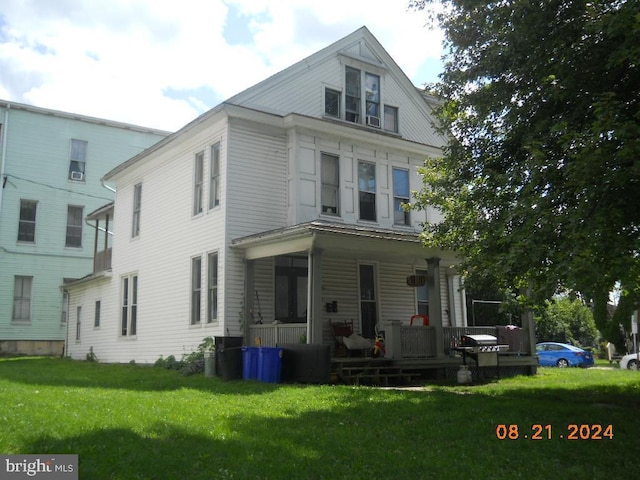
[340, 238]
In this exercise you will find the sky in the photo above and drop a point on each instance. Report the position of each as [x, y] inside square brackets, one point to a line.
[161, 63]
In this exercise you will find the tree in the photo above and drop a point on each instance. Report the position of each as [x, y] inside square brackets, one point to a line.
[539, 184]
[566, 320]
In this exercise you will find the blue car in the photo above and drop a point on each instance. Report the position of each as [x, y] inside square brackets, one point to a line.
[552, 354]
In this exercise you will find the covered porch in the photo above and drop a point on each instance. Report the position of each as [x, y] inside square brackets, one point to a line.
[327, 280]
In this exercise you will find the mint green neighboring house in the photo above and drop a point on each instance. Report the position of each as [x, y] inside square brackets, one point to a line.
[51, 163]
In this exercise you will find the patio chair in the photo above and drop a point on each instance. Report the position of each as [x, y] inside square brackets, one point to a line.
[422, 320]
[349, 343]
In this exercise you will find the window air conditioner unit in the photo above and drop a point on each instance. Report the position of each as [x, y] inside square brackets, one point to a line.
[373, 121]
[77, 175]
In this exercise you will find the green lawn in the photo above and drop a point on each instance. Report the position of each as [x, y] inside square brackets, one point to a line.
[132, 422]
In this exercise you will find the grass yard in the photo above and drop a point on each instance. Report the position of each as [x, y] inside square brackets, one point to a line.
[132, 422]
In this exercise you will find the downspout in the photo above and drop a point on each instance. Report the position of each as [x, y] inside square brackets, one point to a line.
[5, 129]
[104, 185]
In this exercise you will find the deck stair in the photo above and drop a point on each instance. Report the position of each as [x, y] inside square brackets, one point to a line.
[373, 372]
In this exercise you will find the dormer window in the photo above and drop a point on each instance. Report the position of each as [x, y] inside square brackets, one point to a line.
[352, 97]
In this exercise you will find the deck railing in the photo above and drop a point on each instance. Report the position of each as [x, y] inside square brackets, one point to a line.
[418, 342]
[275, 334]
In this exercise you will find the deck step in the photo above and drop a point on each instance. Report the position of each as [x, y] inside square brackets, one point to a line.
[375, 374]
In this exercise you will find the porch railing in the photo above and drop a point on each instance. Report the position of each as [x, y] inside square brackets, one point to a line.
[274, 334]
[418, 342]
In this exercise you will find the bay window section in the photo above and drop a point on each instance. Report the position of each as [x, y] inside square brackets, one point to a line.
[367, 190]
[400, 196]
[330, 183]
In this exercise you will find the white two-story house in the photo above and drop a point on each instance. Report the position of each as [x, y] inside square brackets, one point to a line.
[274, 215]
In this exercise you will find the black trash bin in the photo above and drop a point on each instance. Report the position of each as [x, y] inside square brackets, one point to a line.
[306, 363]
[229, 357]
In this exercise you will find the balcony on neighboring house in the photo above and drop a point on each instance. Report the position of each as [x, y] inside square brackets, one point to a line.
[101, 220]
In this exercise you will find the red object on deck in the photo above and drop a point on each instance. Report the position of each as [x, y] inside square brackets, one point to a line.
[424, 318]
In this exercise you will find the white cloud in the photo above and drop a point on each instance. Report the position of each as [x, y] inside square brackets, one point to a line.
[149, 61]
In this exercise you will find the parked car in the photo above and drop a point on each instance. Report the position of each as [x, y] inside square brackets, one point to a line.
[553, 354]
[630, 361]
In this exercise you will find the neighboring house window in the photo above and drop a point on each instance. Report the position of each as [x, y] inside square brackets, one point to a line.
[214, 184]
[74, 226]
[367, 190]
[129, 305]
[212, 286]
[78, 160]
[400, 196]
[96, 317]
[27, 222]
[197, 183]
[330, 183]
[391, 118]
[137, 205]
[332, 102]
[196, 289]
[65, 307]
[422, 294]
[22, 287]
[352, 96]
[78, 322]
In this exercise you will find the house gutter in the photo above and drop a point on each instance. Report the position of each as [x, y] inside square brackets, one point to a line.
[5, 129]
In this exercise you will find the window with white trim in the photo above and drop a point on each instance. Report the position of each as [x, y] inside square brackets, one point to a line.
[78, 322]
[332, 102]
[97, 313]
[391, 119]
[196, 290]
[22, 289]
[212, 287]
[329, 171]
[198, 182]
[74, 226]
[352, 101]
[27, 221]
[129, 306]
[65, 307]
[78, 160]
[367, 190]
[137, 208]
[400, 196]
[214, 182]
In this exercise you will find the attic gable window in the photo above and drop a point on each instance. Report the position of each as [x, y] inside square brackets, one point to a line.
[355, 83]
[332, 102]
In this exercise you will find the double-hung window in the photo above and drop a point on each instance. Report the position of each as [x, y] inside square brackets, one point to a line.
[332, 102]
[367, 190]
[400, 196]
[196, 289]
[330, 183]
[78, 322]
[77, 160]
[137, 206]
[372, 92]
[129, 306]
[198, 183]
[352, 101]
[214, 183]
[212, 287]
[27, 222]
[22, 287]
[391, 119]
[74, 226]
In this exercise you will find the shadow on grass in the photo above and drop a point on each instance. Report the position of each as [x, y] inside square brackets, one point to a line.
[393, 435]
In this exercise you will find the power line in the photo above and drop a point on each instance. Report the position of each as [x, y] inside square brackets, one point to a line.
[56, 188]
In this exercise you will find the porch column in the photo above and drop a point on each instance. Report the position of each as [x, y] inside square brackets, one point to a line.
[435, 302]
[314, 297]
[248, 310]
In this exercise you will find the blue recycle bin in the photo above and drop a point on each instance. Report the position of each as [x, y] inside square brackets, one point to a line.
[250, 363]
[269, 364]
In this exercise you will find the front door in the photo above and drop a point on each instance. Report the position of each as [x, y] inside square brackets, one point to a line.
[291, 289]
[368, 300]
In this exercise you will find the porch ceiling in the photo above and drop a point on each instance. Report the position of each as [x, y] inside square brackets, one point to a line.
[342, 240]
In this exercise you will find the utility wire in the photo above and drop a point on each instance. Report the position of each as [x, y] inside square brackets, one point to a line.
[57, 188]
